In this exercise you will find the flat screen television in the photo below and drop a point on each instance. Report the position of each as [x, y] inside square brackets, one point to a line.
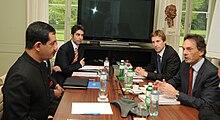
[120, 20]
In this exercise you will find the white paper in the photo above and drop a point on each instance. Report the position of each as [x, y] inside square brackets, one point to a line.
[91, 67]
[85, 74]
[138, 80]
[91, 108]
[138, 77]
[162, 100]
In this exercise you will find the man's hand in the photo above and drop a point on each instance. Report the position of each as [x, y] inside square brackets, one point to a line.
[58, 91]
[82, 62]
[56, 69]
[166, 89]
[140, 71]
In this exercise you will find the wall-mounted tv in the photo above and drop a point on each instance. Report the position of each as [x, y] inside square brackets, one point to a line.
[121, 20]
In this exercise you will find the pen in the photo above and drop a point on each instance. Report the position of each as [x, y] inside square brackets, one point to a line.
[91, 113]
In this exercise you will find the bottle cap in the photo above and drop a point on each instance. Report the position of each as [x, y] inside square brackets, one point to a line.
[104, 69]
[128, 65]
[106, 58]
[150, 84]
[127, 61]
[155, 87]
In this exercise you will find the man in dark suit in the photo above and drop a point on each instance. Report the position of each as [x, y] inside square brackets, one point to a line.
[170, 61]
[197, 78]
[211, 111]
[26, 91]
[70, 55]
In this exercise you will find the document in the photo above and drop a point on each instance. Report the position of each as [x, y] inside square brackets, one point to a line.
[91, 108]
[138, 77]
[85, 74]
[91, 67]
[162, 100]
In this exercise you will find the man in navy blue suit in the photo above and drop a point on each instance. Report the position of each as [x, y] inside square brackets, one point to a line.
[211, 111]
[197, 78]
[70, 55]
[165, 61]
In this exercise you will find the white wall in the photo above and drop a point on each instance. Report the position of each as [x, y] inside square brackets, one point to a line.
[12, 32]
[213, 41]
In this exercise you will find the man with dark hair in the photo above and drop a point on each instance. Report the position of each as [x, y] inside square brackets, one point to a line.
[197, 78]
[211, 111]
[26, 92]
[165, 60]
[70, 55]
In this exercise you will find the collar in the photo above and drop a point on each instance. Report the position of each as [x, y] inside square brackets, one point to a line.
[31, 60]
[198, 65]
[162, 51]
[75, 47]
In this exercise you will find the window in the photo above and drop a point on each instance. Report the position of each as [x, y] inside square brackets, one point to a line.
[196, 22]
[57, 18]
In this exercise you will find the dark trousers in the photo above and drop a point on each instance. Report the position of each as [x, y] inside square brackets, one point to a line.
[210, 112]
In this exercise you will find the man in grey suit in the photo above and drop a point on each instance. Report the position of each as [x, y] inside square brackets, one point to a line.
[197, 78]
[70, 55]
[168, 61]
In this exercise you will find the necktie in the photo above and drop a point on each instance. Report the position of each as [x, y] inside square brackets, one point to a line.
[190, 81]
[75, 56]
[158, 64]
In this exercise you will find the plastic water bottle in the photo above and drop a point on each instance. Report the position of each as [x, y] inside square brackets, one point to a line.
[103, 78]
[149, 89]
[106, 64]
[129, 80]
[154, 102]
[121, 70]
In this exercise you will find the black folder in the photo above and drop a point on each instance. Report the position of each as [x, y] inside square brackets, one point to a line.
[76, 82]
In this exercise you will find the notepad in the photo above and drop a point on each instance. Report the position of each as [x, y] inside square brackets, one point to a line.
[75, 82]
[94, 85]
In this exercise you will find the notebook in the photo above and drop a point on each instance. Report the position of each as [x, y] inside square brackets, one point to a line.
[76, 82]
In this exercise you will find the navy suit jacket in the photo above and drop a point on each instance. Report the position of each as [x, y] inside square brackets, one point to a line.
[205, 87]
[169, 66]
[64, 58]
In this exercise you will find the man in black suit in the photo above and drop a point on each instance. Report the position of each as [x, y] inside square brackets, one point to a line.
[70, 55]
[197, 78]
[170, 61]
[211, 111]
[26, 91]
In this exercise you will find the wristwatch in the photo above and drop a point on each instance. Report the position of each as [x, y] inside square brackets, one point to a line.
[177, 94]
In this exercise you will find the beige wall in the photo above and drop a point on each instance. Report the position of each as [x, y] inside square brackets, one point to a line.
[12, 32]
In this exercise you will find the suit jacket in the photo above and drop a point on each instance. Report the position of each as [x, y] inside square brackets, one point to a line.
[64, 58]
[26, 92]
[169, 66]
[205, 87]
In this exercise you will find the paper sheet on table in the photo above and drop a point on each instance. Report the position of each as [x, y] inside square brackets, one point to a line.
[162, 100]
[85, 74]
[91, 108]
[137, 80]
[138, 77]
[91, 67]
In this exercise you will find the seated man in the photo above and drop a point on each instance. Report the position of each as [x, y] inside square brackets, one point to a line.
[70, 55]
[170, 61]
[197, 78]
[211, 111]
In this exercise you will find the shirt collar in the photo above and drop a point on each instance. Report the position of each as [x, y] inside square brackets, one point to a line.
[162, 51]
[74, 45]
[198, 65]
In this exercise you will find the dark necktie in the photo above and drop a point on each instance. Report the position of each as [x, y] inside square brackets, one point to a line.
[190, 81]
[158, 64]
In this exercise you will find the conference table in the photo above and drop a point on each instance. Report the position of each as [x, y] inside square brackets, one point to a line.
[166, 112]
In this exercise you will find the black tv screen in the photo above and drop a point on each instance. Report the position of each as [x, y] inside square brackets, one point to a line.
[121, 20]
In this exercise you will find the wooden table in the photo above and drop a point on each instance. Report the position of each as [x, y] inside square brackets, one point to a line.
[174, 112]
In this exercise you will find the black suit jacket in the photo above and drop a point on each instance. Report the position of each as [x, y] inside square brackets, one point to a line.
[26, 92]
[64, 58]
[205, 87]
[169, 66]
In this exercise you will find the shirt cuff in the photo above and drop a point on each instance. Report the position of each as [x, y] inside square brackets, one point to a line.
[145, 74]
